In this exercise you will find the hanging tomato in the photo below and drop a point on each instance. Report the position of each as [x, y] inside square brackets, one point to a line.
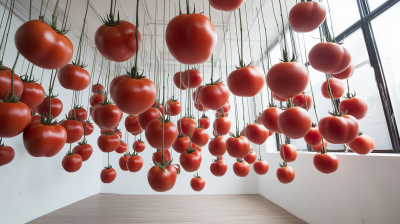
[173, 107]
[290, 152]
[191, 78]
[218, 167]
[56, 106]
[106, 116]
[226, 5]
[139, 146]
[33, 93]
[200, 137]
[318, 147]
[7, 154]
[178, 81]
[217, 146]
[251, 156]
[362, 145]
[88, 127]
[157, 156]
[313, 137]
[181, 143]
[347, 73]
[339, 129]
[154, 134]
[72, 162]
[5, 83]
[326, 162]
[14, 117]
[241, 168]
[303, 100]
[97, 88]
[355, 106]
[162, 178]
[190, 160]
[122, 147]
[337, 88]
[269, 119]
[261, 167]
[83, 149]
[285, 174]
[214, 95]
[79, 112]
[222, 125]
[73, 77]
[108, 175]
[246, 81]
[74, 130]
[257, 134]
[237, 146]
[132, 123]
[122, 162]
[134, 163]
[96, 99]
[108, 142]
[307, 16]
[147, 116]
[204, 122]
[294, 122]
[330, 58]
[197, 183]
[188, 125]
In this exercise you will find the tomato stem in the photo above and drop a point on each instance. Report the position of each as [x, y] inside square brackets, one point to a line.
[241, 40]
[6, 31]
[79, 51]
[335, 110]
[136, 35]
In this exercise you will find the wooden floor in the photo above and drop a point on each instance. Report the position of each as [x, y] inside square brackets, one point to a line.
[115, 209]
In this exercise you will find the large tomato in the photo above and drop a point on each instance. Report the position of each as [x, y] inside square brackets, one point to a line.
[108, 142]
[133, 95]
[218, 167]
[108, 175]
[122, 147]
[362, 145]
[313, 137]
[190, 160]
[6, 154]
[32, 95]
[295, 122]
[246, 81]
[330, 58]
[14, 117]
[73, 77]
[197, 183]
[178, 81]
[303, 100]
[251, 156]
[42, 45]
[134, 163]
[290, 152]
[191, 38]
[217, 146]
[285, 174]
[200, 137]
[226, 5]
[139, 146]
[191, 78]
[88, 127]
[181, 143]
[204, 122]
[269, 118]
[44, 140]
[132, 124]
[173, 107]
[222, 125]
[117, 42]
[355, 106]
[241, 168]
[307, 16]
[214, 96]
[106, 116]
[5, 83]
[147, 116]
[96, 99]
[237, 147]
[326, 163]
[257, 133]
[337, 88]
[122, 162]
[154, 134]
[157, 156]
[347, 73]
[338, 129]
[79, 112]
[83, 149]
[72, 162]
[287, 79]
[160, 179]
[261, 167]
[74, 130]
[188, 126]
[56, 107]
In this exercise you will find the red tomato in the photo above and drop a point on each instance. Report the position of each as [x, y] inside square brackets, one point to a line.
[181, 143]
[108, 175]
[285, 174]
[200, 137]
[226, 5]
[204, 122]
[108, 143]
[32, 95]
[33, 111]
[96, 99]
[338, 130]
[197, 183]
[139, 146]
[42, 45]
[162, 180]
[237, 147]
[6, 154]
[241, 168]
[106, 116]
[123, 161]
[73, 77]
[307, 16]
[355, 106]
[14, 117]
[44, 140]
[290, 152]
[295, 122]
[80, 113]
[313, 137]
[137, 133]
[246, 81]
[347, 73]
[147, 116]
[318, 147]
[122, 147]
[135, 163]
[287, 79]
[56, 107]
[72, 162]
[177, 81]
[303, 100]
[278, 98]
[195, 94]
[102, 131]
[222, 125]
[154, 134]
[132, 123]
[214, 96]
[261, 167]
[226, 107]
[190, 160]
[337, 88]
[200, 107]
[191, 38]
[119, 133]
[5, 83]
[257, 134]
[326, 163]
[117, 42]
[330, 58]
[187, 128]
[88, 127]
[133, 95]
[97, 88]
[174, 107]
[157, 156]
[362, 145]
[83, 149]
[218, 167]
[191, 78]
[251, 157]
[269, 118]
[74, 130]
[217, 146]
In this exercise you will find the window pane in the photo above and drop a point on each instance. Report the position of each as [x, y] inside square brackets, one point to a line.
[344, 13]
[387, 38]
[373, 4]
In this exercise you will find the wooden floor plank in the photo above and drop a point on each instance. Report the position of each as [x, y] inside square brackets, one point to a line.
[140, 209]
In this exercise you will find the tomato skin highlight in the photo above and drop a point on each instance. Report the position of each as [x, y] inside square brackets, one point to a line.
[326, 163]
[362, 145]
[246, 81]
[355, 106]
[285, 174]
[32, 95]
[241, 169]
[135, 163]
[162, 180]
[269, 118]
[14, 118]
[290, 152]
[108, 175]
[330, 58]
[295, 122]
[338, 130]
[73, 77]
[337, 88]
[237, 147]
[42, 46]
[307, 16]
[72, 163]
[85, 151]
[218, 168]
[261, 167]
[7, 154]
[197, 184]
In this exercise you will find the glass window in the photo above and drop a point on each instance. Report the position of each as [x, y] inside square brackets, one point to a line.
[387, 37]
[373, 4]
[344, 13]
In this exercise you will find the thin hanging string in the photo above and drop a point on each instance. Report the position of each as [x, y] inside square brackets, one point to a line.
[237, 37]
[226, 59]
[330, 18]
[244, 120]
[163, 115]
[291, 36]
[8, 27]
[4, 12]
[91, 79]
[248, 32]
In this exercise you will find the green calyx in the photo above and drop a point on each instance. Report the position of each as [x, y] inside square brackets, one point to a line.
[47, 120]
[216, 159]
[140, 140]
[110, 133]
[69, 153]
[134, 73]
[284, 164]
[286, 57]
[79, 64]
[350, 95]
[83, 142]
[204, 116]
[28, 79]
[163, 165]
[190, 150]
[239, 160]
[108, 167]
[197, 175]
[72, 118]
[314, 125]
[214, 82]
[12, 98]
[134, 153]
